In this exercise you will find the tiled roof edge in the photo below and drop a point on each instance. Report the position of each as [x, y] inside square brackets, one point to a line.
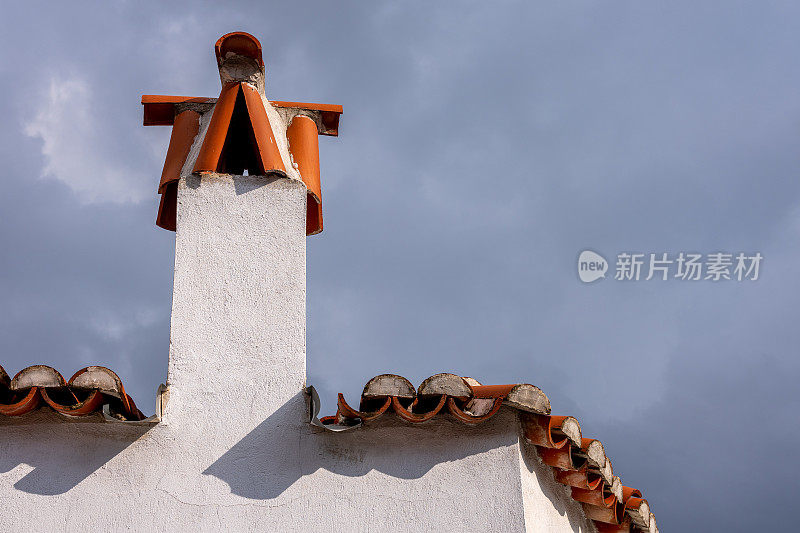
[93, 390]
[577, 462]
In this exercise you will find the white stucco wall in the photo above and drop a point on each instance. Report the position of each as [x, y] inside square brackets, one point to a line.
[548, 505]
[233, 451]
[394, 477]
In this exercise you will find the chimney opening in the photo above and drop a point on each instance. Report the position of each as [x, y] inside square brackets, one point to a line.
[240, 151]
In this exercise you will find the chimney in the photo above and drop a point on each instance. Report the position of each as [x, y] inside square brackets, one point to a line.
[241, 190]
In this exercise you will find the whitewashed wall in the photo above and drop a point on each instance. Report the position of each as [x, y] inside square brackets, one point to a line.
[278, 475]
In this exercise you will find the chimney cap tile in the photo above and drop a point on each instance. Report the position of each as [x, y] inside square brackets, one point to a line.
[238, 42]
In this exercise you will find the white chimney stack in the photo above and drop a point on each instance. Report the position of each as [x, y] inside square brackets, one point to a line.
[238, 329]
[241, 189]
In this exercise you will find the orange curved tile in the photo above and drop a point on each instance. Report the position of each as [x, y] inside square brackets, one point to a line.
[27, 404]
[304, 147]
[43, 385]
[214, 141]
[167, 215]
[37, 376]
[578, 478]
[624, 527]
[238, 42]
[267, 147]
[159, 110]
[187, 125]
[492, 391]
[562, 458]
[593, 497]
[634, 503]
[384, 385]
[345, 411]
[472, 419]
[329, 114]
[445, 383]
[409, 416]
[185, 129]
[638, 510]
[539, 430]
[628, 493]
[608, 515]
[91, 404]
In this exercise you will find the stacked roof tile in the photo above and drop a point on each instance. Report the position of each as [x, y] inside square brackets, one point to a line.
[240, 135]
[577, 462]
[92, 390]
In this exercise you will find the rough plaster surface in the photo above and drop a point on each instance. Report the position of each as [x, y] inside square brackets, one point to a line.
[234, 451]
[540, 487]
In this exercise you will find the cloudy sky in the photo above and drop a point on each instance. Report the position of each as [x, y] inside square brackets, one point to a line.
[483, 146]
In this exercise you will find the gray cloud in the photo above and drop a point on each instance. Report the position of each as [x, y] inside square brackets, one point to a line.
[481, 149]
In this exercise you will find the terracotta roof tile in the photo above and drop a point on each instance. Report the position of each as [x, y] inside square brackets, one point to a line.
[91, 390]
[304, 147]
[238, 42]
[160, 110]
[187, 125]
[240, 123]
[240, 135]
[577, 462]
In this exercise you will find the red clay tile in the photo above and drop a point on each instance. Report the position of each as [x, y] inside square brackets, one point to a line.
[37, 376]
[608, 515]
[386, 385]
[238, 42]
[628, 493]
[187, 125]
[304, 147]
[214, 141]
[239, 135]
[22, 404]
[345, 411]
[445, 384]
[624, 527]
[468, 417]
[550, 431]
[159, 110]
[593, 497]
[270, 157]
[491, 391]
[583, 478]
[91, 403]
[409, 415]
[562, 458]
[639, 511]
[87, 392]
[329, 114]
